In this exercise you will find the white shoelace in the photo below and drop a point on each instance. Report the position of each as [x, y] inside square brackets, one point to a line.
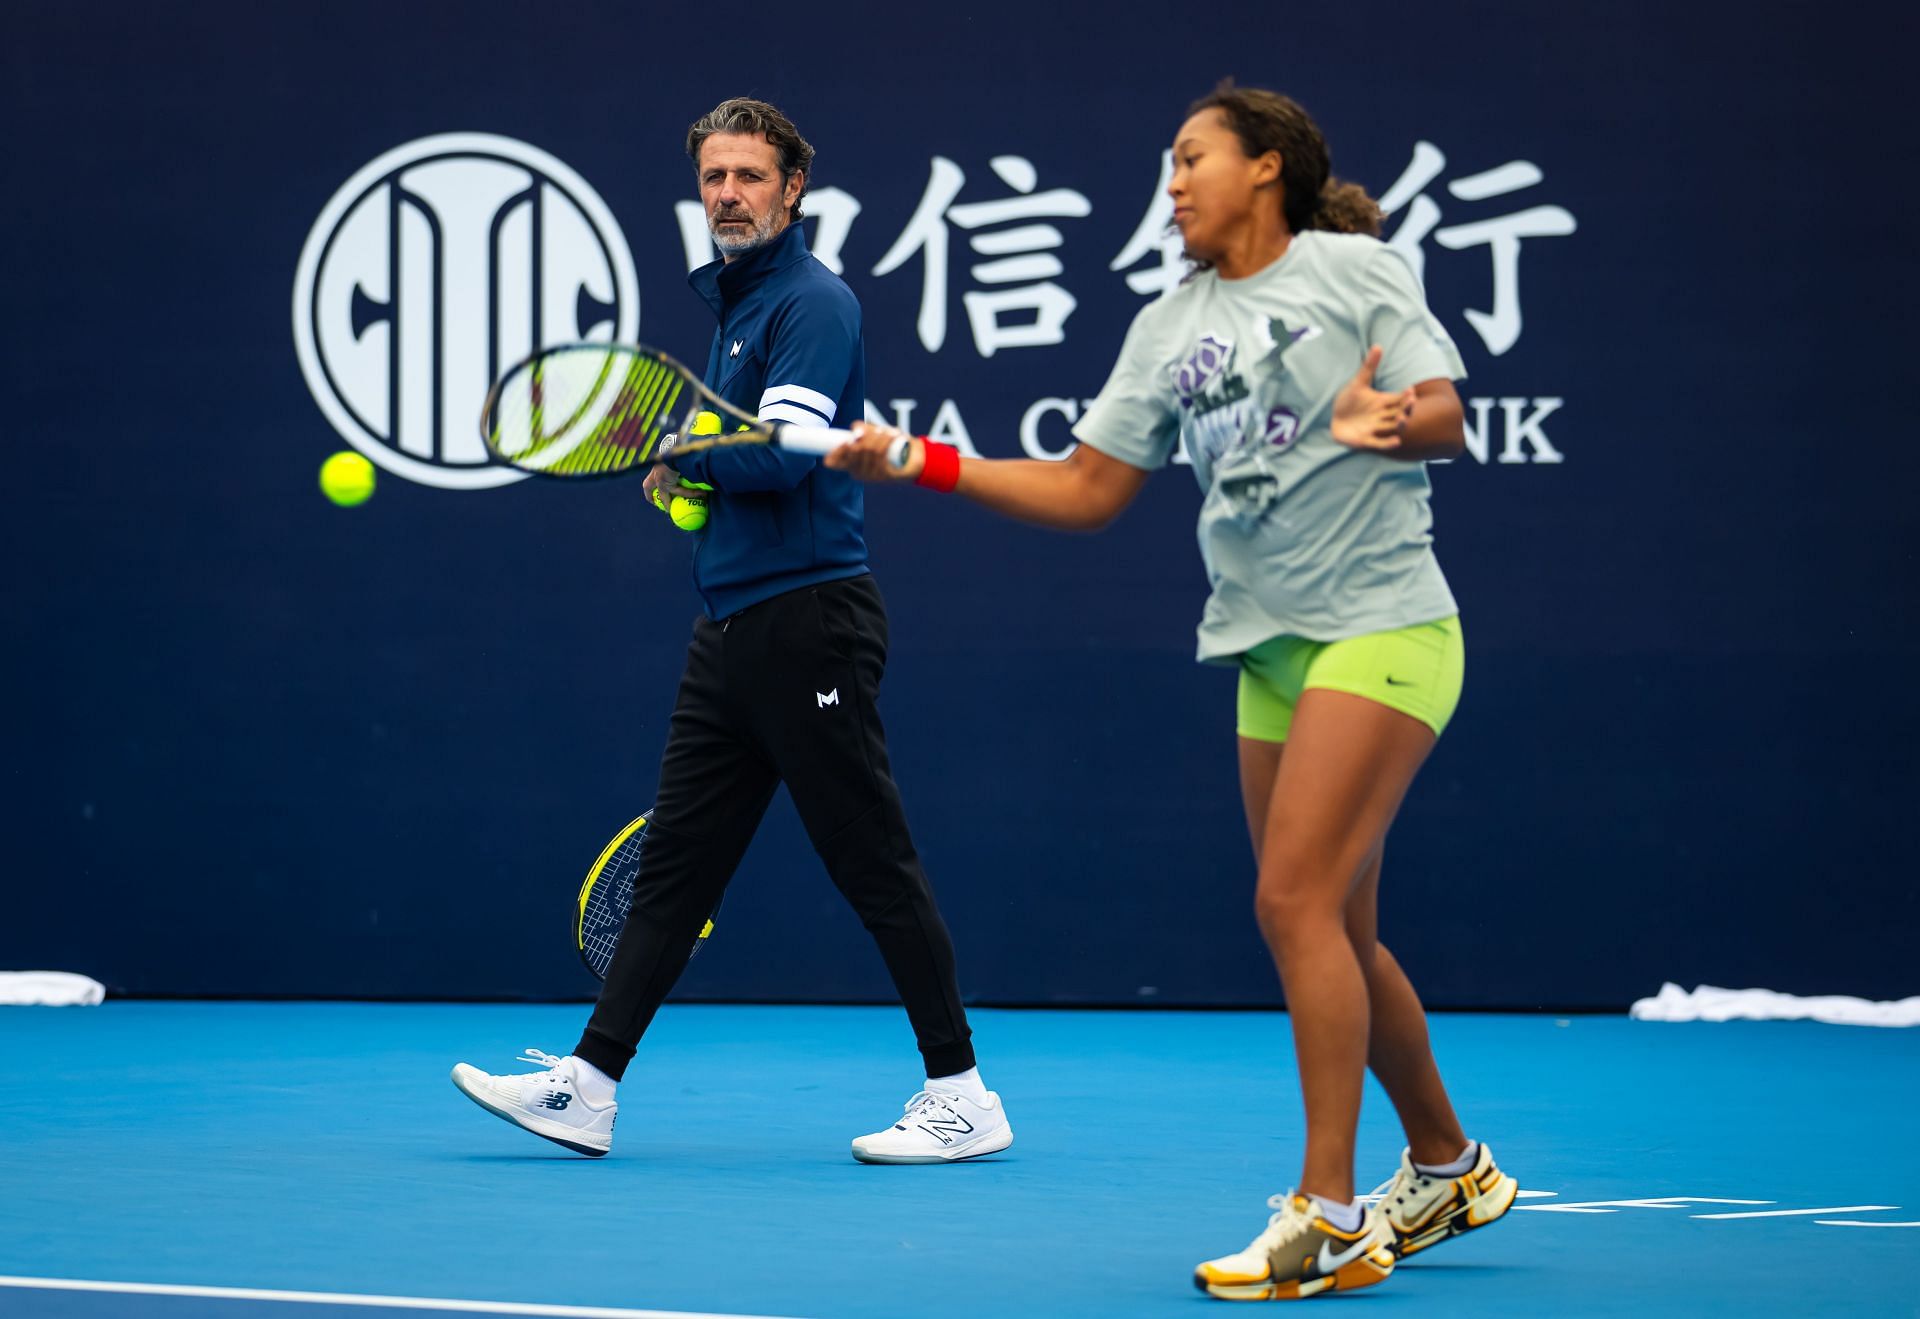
[1378, 1195]
[1278, 1225]
[546, 1060]
[925, 1102]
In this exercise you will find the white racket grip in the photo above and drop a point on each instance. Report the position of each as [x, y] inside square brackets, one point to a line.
[812, 439]
[825, 439]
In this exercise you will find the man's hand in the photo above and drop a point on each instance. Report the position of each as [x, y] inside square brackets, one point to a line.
[1365, 418]
[663, 483]
[866, 458]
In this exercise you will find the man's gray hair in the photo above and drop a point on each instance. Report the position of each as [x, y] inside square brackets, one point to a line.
[743, 114]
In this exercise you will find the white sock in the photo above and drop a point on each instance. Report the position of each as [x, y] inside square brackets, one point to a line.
[594, 1085]
[967, 1084]
[1460, 1167]
[1345, 1216]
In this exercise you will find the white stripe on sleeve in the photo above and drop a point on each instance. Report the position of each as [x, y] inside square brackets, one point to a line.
[792, 414]
[812, 399]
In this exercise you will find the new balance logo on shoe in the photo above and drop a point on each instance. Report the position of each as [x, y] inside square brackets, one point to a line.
[556, 1100]
[954, 1123]
[828, 698]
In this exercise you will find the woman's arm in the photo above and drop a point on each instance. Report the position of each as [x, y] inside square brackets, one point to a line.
[1083, 493]
[1415, 425]
[1436, 428]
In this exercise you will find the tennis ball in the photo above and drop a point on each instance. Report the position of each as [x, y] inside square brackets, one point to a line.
[688, 514]
[347, 479]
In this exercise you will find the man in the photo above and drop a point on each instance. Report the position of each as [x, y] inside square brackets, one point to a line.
[781, 680]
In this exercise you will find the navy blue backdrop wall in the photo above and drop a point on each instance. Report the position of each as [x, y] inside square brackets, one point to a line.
[260, 744]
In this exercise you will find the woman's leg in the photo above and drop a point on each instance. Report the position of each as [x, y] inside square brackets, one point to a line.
[1346, 768]
[1398, 1052]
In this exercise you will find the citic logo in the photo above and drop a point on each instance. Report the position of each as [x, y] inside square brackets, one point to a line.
[433, 269]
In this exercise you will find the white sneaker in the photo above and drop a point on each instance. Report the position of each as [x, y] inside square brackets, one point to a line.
[939, 1128]
[546, 1103]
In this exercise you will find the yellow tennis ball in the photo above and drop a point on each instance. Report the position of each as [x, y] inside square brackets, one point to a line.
[705, 423]
[347, 479]
[688, 514]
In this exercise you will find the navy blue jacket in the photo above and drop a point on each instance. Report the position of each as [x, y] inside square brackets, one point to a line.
[788, 348]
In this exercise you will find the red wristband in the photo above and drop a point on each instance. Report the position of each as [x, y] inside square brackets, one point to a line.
[941, 467]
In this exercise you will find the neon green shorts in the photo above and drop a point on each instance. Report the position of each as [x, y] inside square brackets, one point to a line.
[1416, 670]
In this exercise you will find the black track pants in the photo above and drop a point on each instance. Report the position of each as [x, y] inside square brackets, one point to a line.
[783, 692]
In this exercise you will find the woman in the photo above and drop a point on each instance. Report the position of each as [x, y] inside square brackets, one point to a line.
[1326, 595]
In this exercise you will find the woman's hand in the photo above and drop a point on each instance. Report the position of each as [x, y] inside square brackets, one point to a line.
[1365, 418]
[867, 457]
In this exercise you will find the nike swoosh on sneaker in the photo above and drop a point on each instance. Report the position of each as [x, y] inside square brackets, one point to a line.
[1329, 1263]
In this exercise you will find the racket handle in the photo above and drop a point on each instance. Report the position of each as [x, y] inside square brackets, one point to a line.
[812, 439]
[825, 439]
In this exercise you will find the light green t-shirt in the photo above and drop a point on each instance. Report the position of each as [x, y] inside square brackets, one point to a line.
[1301, 535]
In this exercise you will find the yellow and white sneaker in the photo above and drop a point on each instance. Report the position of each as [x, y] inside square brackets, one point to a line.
[1424, 1209]
[1301, 1254]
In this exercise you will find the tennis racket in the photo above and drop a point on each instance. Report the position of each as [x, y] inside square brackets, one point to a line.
[600, 409]
[600, 912]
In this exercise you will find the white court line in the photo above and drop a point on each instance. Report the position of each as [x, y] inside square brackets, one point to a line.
[372, 1302]
[1801, 1213]
[1657, 1202]
[1572, 1209]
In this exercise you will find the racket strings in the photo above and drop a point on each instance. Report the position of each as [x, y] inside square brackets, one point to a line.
[585, 413]
[609, 899]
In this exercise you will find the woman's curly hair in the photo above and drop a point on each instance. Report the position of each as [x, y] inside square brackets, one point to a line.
[1267, 121]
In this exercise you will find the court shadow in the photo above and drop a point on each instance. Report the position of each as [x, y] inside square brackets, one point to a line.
[854, 1165]
[522, 1158]
[1388, 1288]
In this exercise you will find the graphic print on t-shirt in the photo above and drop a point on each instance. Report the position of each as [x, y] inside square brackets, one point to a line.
[1215, 398]
[1211, 394]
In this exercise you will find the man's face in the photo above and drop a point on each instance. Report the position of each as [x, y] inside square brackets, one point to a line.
[746, 200]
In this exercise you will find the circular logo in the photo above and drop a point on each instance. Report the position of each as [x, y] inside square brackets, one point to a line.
[434, 269]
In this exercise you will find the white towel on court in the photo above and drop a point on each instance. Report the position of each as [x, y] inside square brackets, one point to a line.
[1712, 1003]
[49, 989]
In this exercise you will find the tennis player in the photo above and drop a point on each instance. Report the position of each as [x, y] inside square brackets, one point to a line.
[1310, 384]
[782, 678]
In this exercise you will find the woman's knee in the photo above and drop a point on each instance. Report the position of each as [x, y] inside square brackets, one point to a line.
[1308, 895]
[1288, 912]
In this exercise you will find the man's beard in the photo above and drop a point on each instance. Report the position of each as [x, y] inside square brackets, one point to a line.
[732, 242]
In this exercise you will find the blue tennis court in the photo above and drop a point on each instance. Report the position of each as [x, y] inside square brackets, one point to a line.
[317, 1151]
[1418, 366]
